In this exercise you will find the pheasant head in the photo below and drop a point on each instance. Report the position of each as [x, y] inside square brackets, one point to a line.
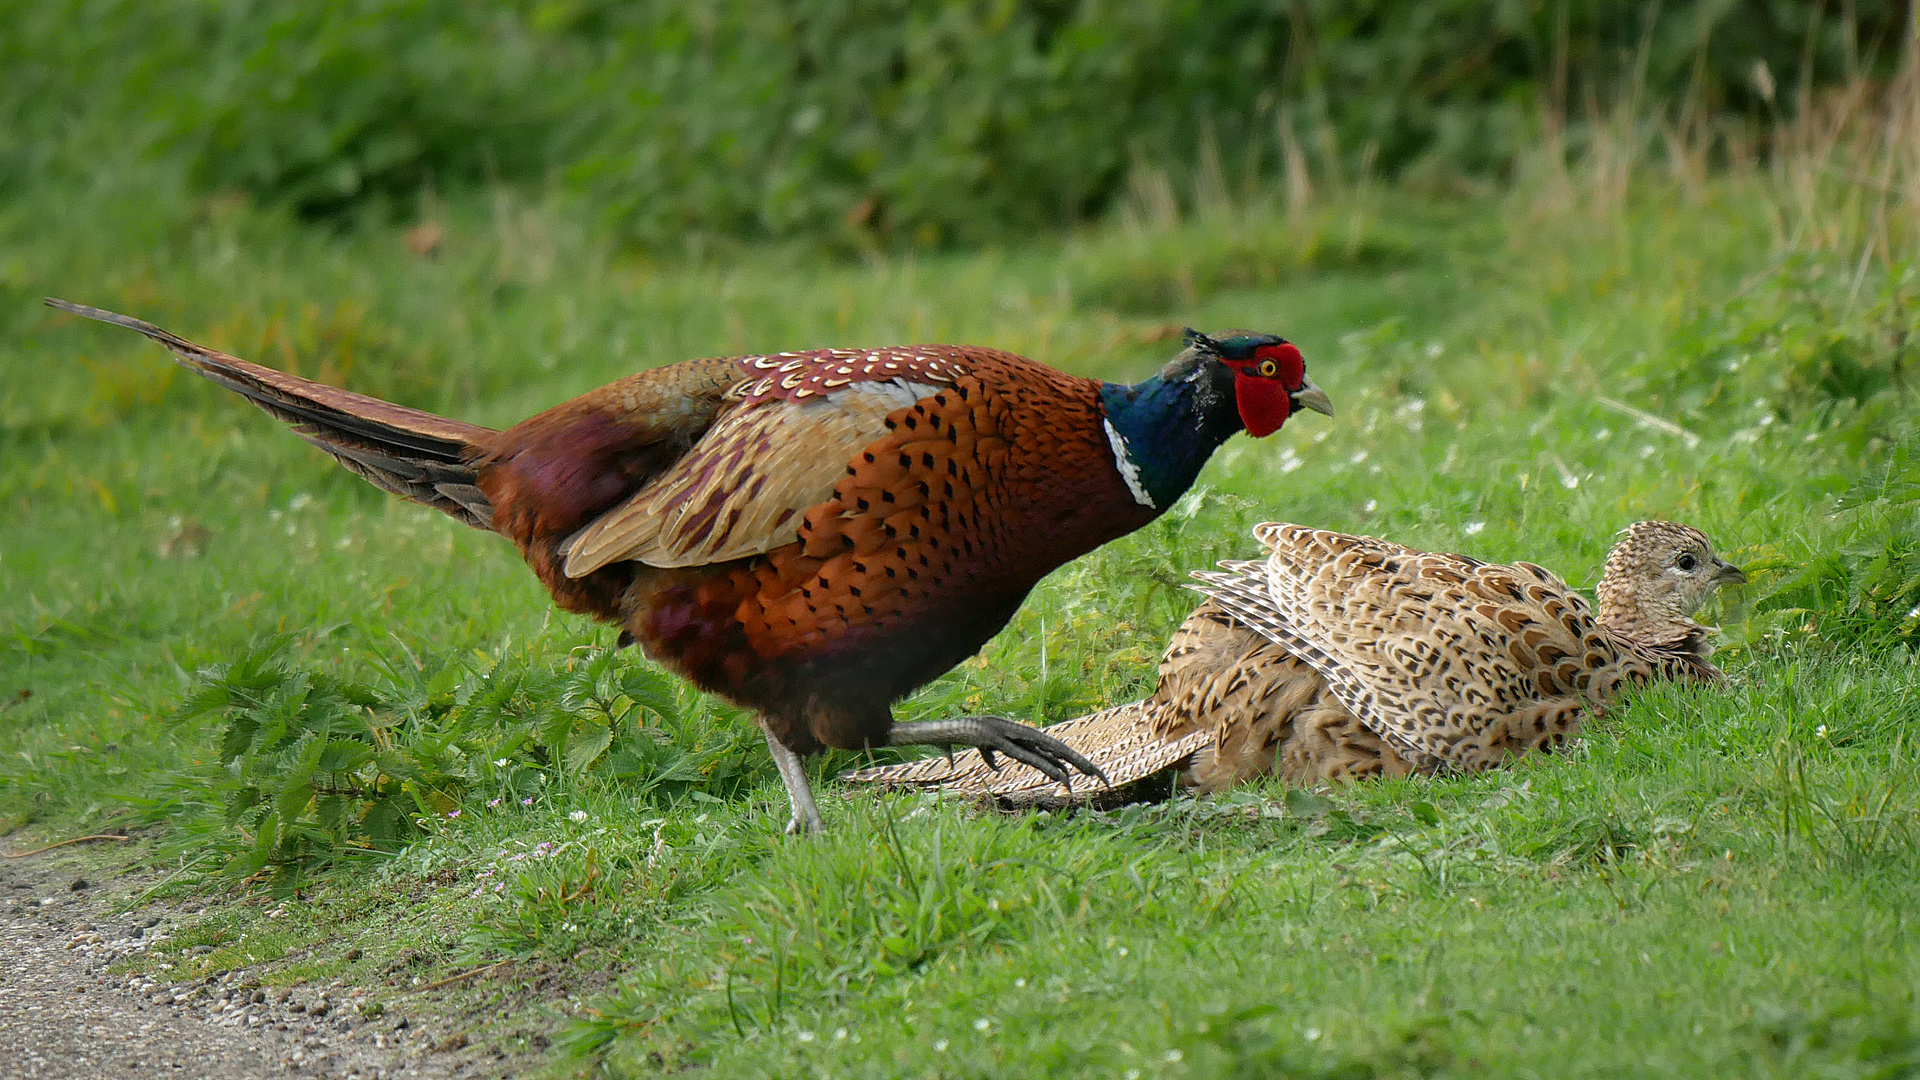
[1657, 575]
[1269, 376]
[1164, 428]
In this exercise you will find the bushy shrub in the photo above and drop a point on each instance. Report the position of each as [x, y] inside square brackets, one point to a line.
[324, 105]
[860, 122]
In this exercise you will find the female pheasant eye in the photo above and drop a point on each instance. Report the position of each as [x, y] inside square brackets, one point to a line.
[1686, 562]
[1269, 369]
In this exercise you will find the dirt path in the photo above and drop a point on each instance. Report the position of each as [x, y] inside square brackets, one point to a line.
[62, 1015]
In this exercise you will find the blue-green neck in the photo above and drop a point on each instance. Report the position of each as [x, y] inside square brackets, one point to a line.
[1171, 428]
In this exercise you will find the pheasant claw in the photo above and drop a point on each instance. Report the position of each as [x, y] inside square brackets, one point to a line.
[998, 735]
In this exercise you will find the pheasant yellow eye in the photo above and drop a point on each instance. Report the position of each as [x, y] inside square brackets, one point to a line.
[1269, 369]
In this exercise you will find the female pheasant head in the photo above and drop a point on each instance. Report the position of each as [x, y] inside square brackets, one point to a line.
[1657, 575]
[1269, 376]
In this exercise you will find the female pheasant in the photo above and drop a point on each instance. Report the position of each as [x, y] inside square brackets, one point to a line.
[811, 535]
[1345, 656]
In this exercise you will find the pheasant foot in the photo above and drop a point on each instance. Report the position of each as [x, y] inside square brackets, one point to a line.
[997, 734]
[806, 816]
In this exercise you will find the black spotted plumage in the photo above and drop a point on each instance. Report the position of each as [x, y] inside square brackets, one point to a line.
[811, 534]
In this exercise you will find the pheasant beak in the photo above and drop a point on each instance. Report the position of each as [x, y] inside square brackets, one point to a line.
[1729, 574]
[1312, 397]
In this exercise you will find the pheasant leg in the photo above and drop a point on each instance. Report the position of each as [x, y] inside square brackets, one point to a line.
[997, 734]
[806, 816]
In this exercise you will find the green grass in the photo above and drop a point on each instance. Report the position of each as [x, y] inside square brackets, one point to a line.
[1713, 883]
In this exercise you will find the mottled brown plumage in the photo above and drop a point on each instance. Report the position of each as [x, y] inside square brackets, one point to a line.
[811, 535]
[1340, 657]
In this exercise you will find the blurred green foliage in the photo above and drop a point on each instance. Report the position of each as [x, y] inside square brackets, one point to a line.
[865, 122]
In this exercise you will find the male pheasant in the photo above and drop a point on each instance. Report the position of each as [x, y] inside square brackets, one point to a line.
[1345, 656]
[811, 535]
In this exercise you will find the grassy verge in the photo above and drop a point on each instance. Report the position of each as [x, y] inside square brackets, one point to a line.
[373, 716]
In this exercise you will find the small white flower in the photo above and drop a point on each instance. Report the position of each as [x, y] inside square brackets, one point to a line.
[939, 1046]
[1472, 528]
[1357, 458]
[581, 815]
[1175, 1055]
[1123, 950]
[1020, 982]
[500, 763]
[982, 1024]
[839, 1034]
[1372, 505]
[1312, 1034]
[806, 1036]
[1820, 732]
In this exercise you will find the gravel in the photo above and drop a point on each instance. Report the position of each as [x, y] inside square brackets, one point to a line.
[62, 1015]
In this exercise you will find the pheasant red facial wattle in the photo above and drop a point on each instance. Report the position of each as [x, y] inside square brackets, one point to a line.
[1265, 385]
[811, 535]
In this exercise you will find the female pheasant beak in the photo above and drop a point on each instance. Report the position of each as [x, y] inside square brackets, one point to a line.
[1729, 574]
[1312, 397]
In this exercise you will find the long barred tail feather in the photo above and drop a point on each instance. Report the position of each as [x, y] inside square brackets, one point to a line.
[1119, 741]
[1240, 586]
[426, 458]
[1244, 590]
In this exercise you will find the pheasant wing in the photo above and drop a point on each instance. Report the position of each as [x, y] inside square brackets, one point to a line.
[1445, 657]
[745, 487]
[1264, 709]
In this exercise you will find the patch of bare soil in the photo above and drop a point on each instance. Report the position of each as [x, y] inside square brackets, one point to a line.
[63, 1015]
